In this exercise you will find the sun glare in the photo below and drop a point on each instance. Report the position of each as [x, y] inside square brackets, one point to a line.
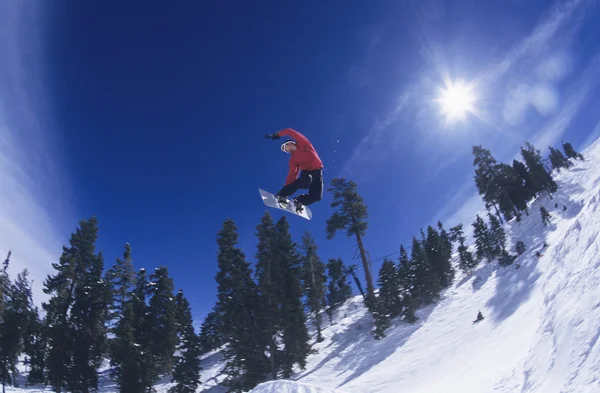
[456, 100]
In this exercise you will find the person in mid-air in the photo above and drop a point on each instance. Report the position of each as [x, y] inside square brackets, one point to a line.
[303, 159]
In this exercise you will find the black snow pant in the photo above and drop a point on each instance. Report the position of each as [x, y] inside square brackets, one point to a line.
[308, 180]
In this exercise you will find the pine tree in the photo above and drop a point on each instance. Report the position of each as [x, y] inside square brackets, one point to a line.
[186, 373]
[121, 280]
[483, 243]
[294, 332]
[439, 255]
[448, 272]
[466, 262]
[352, 217]
[35, 348]
[237, 305]
[211, 337]
[270, 289]
[486, 177]
[162, 316]
[17, 315]
[381, 319]
[427, 284]
[526, 182]
[313, 281]
[389, 289]
[520, 247]
[407, 282]
[542, 181]
[338, 290]
[497, 236]
[545, 215]
[513, 196]
[570, 152]
[128, 349]
[558, 160]
[76, 313]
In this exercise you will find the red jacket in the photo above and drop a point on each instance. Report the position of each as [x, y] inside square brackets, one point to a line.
[305, 157]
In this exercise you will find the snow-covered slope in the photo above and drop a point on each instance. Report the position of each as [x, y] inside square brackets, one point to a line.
[540, 332]
[541, 326]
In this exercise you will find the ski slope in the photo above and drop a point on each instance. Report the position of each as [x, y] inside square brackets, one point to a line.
[541, 326]
[540, 332]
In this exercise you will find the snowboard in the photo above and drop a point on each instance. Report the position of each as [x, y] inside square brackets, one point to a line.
[270, 200]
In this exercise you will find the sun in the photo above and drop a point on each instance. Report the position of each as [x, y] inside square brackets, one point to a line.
[456, 100]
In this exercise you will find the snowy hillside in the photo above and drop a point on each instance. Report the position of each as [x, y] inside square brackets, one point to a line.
[541, 326]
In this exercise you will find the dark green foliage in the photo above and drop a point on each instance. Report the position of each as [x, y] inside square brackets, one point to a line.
[313, 281]
[486, 176]
[558, 160]
[466, 262]
[484, 245]
[526, 181]
[389, 297]
[338, 290]
[506, 259]
[407, 281]
[210, 333]
[35, 348]
[381, 320]
[121, 280]
[186, 373]
[541, 179]
[570, 152]
[351, 217]
[439, 254]
[520, 247]
[294, 332]
[545, 215]
[237, 306]
[162, 318]
[427, 283]
[15, 325]
[497, 236]
[76, 313]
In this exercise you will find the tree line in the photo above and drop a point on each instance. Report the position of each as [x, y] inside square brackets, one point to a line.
[264, 307]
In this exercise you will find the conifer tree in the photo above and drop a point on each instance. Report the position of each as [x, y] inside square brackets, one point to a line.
[237, 305]
[483, 243]
[558, 160]
[407, 282]
[270, 289]
[390, 289]
[545, 215]
[313, 281]
[162, 316]
[466, 262]
[497, 236]
[121, 280]
[128, 349]
[439, 255]
[17, 314]
[35, 348]
[526, 183]
[186, 373]
[351, 216]
[294, 332]
[211, 337]
[427, 284]
[570, 152]
[486, 177]
[338, 290]
[77, 310]
[513, 196]
[542, 181]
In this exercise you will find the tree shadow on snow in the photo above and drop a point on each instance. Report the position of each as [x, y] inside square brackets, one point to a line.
[514, 286]
[359, 352]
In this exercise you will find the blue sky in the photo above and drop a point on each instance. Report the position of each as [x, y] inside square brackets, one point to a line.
[153, 118]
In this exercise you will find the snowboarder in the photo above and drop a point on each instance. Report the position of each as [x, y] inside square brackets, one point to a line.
[303, 159]
[479, 317]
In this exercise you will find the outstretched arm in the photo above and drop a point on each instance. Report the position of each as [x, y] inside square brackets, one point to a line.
[301, 140]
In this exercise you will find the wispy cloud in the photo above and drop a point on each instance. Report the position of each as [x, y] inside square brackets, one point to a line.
[536, 65]
[33, 204]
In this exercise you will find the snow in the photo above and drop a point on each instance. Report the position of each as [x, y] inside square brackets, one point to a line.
[540, 332]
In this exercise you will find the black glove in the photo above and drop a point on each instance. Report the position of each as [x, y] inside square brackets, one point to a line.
[273, 136]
